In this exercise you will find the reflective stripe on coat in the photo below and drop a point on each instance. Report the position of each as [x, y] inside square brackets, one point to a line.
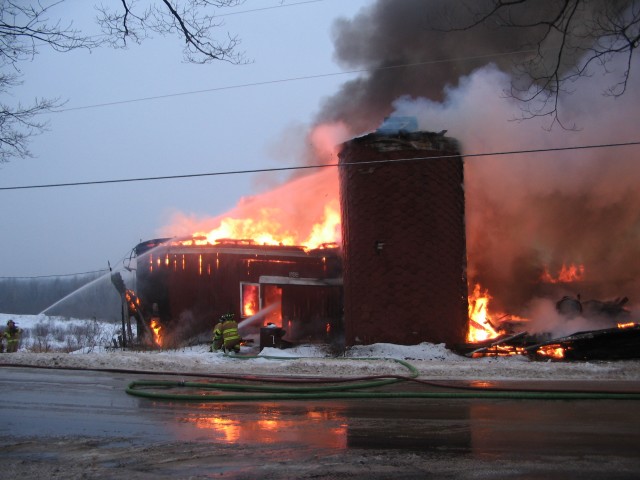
[230, 334]
[217, 336]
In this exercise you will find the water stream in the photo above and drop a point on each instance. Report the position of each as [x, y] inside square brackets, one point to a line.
[79, 291]
[122, 270]
[257, 316]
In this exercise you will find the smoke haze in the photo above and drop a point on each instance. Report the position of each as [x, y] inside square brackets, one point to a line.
[525, 213]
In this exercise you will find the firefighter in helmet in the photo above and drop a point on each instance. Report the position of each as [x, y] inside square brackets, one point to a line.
[230, 336]
[217, 344]
[12, 335]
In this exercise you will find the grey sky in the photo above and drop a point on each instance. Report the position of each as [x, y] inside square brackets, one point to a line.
[77, 229]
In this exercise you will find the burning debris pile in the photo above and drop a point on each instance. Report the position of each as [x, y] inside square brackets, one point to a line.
[620, 341]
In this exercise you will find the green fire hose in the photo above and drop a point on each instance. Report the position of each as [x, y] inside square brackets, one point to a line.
[251, 388]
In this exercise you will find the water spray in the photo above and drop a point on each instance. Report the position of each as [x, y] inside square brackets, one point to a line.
[259, 316]
[76, 291]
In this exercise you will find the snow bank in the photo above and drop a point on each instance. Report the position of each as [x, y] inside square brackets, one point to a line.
[432, 361]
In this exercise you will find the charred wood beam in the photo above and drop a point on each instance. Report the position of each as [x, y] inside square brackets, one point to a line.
[500, 341]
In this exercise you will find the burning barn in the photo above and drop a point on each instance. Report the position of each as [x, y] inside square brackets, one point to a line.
[192, 282]
[399, 276]
[403, 253]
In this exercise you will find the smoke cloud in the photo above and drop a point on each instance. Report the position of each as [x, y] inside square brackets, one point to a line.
[525, 213]
[528, 213]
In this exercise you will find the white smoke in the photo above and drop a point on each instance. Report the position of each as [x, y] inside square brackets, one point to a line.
[543, 317]
[527, 212]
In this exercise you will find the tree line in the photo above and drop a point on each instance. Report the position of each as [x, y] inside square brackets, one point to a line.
[79, 296]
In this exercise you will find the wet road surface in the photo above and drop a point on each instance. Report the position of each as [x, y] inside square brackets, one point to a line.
[78, 420]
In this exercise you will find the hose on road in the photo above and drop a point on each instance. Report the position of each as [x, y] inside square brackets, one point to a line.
[251, 388]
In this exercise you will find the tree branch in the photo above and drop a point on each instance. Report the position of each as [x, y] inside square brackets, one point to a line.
[571, 37]
[25, 26]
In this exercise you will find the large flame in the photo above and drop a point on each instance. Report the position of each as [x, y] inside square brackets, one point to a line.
[480, 326]
[304, 211]
[265, 228]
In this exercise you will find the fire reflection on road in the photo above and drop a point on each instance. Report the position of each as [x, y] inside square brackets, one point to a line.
[269, 424]
[480, 428]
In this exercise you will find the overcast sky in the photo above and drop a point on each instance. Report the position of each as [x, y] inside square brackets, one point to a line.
[77, 229]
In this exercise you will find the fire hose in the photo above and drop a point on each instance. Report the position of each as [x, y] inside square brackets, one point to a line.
[255, 388]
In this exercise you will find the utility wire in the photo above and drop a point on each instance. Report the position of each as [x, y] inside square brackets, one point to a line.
[63, 275]
[307, 167]
[268, 8]
[101, 271]
[291, 79]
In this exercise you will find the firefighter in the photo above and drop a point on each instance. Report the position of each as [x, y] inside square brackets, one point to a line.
[230, 336]
[217, 337]
[12, 334]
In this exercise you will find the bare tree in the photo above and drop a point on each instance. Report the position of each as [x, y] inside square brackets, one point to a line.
[27, 26]
[570, 38]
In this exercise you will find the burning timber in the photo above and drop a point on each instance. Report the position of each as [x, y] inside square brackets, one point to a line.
[620, 343]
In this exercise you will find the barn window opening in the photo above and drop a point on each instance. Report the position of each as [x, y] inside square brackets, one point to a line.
[250, 298]
[273, 304]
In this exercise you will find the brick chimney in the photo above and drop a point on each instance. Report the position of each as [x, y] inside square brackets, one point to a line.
[403, 231]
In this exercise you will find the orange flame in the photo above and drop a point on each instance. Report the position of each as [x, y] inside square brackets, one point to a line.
[248, 309]
[328, 230]
[250, 299]
[627, 325]
[261, 229]
[133, 302]
[304, 211]
[501, 351]
[264, 230]
[552, 351]
[567, 274]
[156, 328]
[480, 327]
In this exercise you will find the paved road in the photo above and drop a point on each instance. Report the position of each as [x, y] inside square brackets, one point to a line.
[84, 422]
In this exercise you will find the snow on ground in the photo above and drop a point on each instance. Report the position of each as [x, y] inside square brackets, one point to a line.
[89, 345]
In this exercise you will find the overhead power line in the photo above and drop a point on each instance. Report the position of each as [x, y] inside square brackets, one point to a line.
[290, 79]
[307, 167]
[268, 8]
[51, 276]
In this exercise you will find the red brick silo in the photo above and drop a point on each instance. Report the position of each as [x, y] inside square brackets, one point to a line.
[403, 233]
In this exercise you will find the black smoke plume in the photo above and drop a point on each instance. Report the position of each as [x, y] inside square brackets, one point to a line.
[526, 214]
